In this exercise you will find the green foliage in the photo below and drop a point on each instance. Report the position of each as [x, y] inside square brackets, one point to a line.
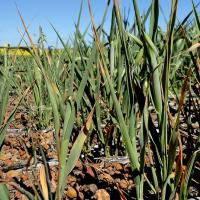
[114, 79]
[4, 192]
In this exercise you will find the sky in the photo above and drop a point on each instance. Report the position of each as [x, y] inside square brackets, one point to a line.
[63, 15]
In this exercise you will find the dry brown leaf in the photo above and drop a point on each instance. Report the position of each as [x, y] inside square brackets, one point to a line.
[122, 196]
[89, 171]
[13, 173]
[193, 47]
[89, 119]
[43, 182]
[177, 196]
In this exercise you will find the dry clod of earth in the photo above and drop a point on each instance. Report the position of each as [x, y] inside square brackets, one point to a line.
[102, 194]
[71, 192]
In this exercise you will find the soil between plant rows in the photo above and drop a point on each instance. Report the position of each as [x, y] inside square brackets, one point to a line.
[94, 176]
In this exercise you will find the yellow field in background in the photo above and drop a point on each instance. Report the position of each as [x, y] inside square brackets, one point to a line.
[14, 51]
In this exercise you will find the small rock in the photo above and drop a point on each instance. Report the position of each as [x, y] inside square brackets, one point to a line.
[25, 176]
[21, 152]
[118, 166]
[71, 180]
[18, 194]
[81, 196]
[195, 125]
[85, 188]
[106, 177]
[79, 165]
[89, 171]
[71, 192]
[123, 184]
[93, 188]
[5, 156]
[8, 162]
[102, 194]
[131, 182]
[110, 170]
[126, 175]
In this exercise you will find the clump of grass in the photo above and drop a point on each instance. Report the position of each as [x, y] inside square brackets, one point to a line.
[116, 81]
